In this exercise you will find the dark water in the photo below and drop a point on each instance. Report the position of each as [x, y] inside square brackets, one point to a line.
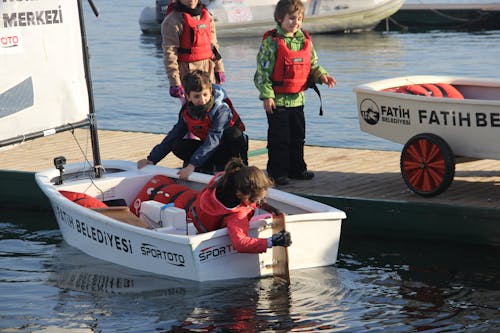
[376, 286]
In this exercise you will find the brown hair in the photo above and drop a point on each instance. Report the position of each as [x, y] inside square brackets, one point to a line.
[288, 7]
[196, 80]
[249, 180]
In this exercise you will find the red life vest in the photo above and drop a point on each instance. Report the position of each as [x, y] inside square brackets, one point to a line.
[292, 68]
[200, 127]
[165, 192]
[163, 189]
[196, 38]
[83, 199]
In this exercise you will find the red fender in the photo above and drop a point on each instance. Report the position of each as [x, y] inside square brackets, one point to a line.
[415, 89]
[435, 91]
[450, 91]
[83, 199]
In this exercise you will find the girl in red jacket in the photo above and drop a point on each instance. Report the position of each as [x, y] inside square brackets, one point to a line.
[230, 200]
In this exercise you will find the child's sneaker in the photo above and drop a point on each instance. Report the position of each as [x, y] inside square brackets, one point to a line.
[280, 180]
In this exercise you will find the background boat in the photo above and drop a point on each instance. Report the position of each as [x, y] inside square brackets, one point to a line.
[423, 15]
[248, 18]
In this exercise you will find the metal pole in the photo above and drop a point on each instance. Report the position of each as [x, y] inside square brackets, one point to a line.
[92, 120]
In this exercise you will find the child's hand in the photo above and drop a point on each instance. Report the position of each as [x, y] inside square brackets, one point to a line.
[328, 80]
[281, 238]
[269, 105]
[184, 173]
[176, 91]
[142, 163]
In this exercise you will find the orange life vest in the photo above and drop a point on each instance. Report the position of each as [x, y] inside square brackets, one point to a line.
[196, 38]
[200, 127]
[292, 68]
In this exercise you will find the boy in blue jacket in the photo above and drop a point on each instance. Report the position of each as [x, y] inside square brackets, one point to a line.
[208, 133]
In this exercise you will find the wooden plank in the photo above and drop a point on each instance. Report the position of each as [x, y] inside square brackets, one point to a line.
[280, 253]
[123, 214]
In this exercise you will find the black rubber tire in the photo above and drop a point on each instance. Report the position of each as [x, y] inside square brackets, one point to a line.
[427, 164]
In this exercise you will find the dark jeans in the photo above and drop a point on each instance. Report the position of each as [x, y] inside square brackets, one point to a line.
[234, 143]
[285, 142]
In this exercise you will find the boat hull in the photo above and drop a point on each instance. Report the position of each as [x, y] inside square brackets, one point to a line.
[445, 15]
[468, 125]
[250, 20]
[315, 229]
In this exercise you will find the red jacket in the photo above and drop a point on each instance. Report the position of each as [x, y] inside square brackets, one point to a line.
[209, 214]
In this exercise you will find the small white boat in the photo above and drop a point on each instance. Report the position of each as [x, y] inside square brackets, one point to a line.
[436, 118]
[116, 235]
[246, 18]
[43, 95]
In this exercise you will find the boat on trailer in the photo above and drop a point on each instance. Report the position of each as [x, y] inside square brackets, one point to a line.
[96, 202]
[437, 119]
[246, 18]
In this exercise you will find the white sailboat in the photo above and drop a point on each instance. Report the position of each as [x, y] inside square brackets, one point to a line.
[247, 18]
[46, 88]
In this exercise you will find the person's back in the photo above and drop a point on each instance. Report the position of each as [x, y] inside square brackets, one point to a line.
[230, 201]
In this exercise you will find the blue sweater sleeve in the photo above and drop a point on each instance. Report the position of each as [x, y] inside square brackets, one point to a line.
[162, 149]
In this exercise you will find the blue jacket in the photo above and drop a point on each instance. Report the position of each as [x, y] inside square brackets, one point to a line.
[220, 117]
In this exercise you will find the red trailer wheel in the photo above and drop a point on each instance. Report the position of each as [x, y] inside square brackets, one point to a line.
[427, 164]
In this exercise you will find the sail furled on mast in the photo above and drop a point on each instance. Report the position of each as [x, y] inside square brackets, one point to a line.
[43, 85]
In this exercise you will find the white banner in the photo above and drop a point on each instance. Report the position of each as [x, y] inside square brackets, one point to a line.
[42, 77]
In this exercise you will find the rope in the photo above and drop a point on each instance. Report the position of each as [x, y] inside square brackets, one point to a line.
[87, 162]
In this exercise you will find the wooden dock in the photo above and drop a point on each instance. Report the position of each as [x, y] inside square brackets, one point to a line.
[353, 173]
[346, 176]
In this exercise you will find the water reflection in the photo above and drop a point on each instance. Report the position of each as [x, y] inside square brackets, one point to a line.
[424, 286]
[234, 305]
